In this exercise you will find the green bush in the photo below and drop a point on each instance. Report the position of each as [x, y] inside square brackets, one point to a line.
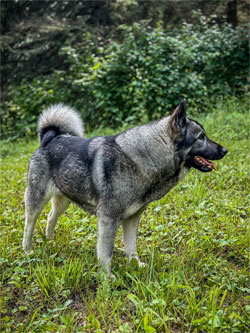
[139, 78]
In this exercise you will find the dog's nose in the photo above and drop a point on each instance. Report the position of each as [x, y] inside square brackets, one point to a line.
[224, 151]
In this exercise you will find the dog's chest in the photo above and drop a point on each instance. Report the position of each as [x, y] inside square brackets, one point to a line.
[161, 186]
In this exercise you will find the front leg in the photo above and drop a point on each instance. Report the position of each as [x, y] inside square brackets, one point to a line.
[106, 232]
[129, 228]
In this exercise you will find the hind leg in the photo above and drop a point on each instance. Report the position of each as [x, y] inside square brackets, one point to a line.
[33, 206]
[39, 191]
[59, 204]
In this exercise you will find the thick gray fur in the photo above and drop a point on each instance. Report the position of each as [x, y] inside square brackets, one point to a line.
[113, 177]
[63, 117]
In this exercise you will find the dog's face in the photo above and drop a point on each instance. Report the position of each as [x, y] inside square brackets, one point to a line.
[192, 145]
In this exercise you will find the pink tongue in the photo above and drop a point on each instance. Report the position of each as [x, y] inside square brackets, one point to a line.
[207, 162]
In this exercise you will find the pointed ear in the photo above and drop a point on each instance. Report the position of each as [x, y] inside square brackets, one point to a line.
[179, 115]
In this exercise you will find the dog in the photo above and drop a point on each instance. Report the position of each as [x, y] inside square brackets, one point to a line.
[114, 177]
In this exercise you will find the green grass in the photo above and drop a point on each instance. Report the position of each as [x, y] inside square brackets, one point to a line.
[195, 242]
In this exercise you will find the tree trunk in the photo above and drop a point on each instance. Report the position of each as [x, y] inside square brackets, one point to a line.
[231, 12]
[100, 14]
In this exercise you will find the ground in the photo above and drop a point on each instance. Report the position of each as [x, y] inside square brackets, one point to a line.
[195, 242]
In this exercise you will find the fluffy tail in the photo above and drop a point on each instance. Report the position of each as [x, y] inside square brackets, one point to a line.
[56, 120]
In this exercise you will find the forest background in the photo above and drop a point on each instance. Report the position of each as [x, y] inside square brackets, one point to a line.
[121, 61]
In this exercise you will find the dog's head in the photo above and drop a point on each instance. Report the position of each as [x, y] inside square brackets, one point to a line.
[192, 145]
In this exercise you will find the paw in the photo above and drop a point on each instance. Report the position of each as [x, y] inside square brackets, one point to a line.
[107, 275]
[26, 246]
[112, 277]
[134, 260]
[49, 233]
[50, 237]
[29, 253]
[141, 264]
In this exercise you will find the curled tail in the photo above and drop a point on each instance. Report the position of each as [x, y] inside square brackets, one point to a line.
[56, 120]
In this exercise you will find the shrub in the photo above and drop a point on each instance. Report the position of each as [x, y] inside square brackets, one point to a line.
[139, 78]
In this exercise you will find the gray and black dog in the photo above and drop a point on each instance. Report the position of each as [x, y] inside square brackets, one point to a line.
[114, 177]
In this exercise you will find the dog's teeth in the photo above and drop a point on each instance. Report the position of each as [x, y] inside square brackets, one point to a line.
[197, 158]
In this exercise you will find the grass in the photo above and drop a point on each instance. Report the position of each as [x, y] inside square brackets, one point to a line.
[195, 242]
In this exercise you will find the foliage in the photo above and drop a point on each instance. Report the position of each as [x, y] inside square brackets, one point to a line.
[151, 70]
[32, 32]
[139, 78]
[195, 243]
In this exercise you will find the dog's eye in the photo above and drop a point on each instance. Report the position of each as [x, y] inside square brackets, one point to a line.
[201, 136]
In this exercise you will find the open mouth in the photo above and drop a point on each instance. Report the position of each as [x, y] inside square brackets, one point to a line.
[204, 163]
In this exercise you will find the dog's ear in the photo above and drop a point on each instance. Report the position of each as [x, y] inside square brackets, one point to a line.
[178, 120]
[179, 114]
